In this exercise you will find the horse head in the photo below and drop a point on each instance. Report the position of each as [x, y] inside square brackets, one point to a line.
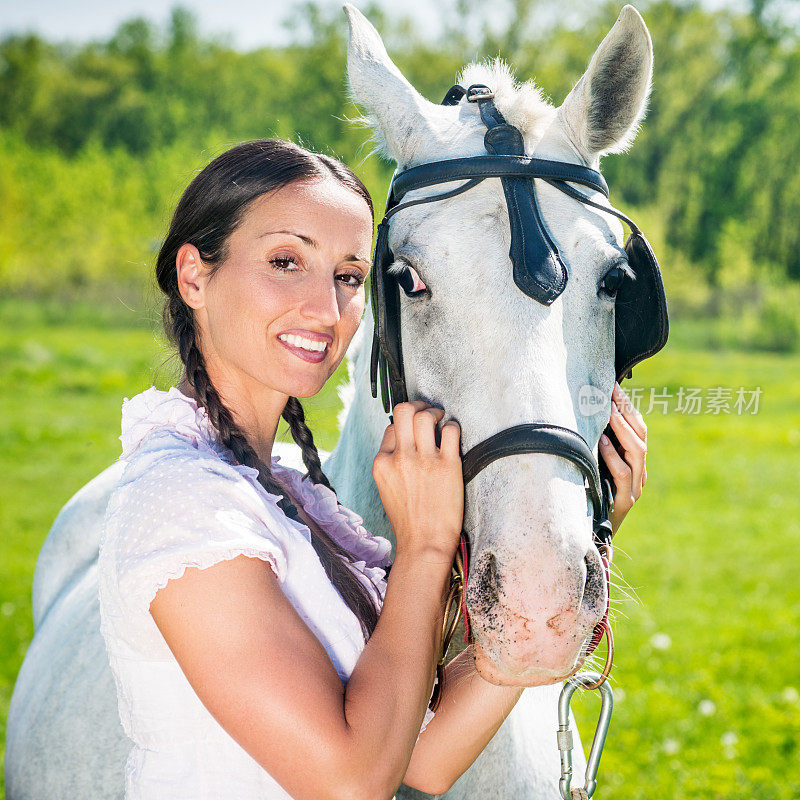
[490, 355]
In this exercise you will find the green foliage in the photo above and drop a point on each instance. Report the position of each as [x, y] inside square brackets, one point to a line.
[719, 143]
[775, 324]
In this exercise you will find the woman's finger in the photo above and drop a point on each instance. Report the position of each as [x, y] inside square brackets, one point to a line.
[630, 413]
[635, 448]
[451, 439]
[425, 423]
[621, 472]
[389, 441]
[403, 416]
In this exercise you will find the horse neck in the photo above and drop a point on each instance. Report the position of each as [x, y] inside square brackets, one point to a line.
[349, 466]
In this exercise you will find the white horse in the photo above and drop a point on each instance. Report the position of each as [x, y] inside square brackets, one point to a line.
[480, 348]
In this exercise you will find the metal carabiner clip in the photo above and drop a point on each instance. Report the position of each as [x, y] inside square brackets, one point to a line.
[585, 679]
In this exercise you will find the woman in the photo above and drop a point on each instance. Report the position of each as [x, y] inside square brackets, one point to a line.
[239, 602]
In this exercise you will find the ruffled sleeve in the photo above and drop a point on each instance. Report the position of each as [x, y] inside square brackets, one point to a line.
[182, 508]
[371, 555]
[153, 414]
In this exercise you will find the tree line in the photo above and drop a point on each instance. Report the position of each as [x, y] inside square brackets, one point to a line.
[98, 139]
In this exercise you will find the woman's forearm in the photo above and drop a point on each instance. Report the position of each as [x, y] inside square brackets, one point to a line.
[470, 713]
[390, 686]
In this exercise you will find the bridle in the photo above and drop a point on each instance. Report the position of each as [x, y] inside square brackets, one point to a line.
[541, 274]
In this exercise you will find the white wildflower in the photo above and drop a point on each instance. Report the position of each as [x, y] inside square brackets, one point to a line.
[707, 708]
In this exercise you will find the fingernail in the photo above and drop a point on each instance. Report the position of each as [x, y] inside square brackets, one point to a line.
[614, 409]
[604, 439]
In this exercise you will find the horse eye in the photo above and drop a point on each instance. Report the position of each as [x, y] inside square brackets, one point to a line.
[410, 281]
[612, 281]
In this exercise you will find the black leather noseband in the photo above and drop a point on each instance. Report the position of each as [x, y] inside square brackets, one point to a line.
[542, 437]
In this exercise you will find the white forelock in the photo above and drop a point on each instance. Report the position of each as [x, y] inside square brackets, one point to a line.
[522, 104]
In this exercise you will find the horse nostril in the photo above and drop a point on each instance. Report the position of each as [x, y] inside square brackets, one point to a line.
[594, 590]
[485, 595]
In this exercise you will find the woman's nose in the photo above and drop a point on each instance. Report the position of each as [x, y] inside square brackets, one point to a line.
[321, 302]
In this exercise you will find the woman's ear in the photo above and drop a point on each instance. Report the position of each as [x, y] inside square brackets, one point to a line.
[190, 283]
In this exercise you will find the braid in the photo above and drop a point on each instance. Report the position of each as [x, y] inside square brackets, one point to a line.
[222, 419]
[293, 413]
[180, 323]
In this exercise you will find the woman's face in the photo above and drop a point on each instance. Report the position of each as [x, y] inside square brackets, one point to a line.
[280, 312]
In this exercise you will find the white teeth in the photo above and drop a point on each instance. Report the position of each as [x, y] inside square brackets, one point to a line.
[305, 344]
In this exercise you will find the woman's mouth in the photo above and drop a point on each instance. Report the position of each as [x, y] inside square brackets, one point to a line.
[307, 349]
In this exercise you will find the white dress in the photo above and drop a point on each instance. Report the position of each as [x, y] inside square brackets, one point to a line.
[183, 501]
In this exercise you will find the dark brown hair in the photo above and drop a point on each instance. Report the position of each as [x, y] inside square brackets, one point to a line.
[210, 209]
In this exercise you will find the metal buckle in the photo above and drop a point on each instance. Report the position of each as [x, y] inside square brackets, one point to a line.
[474, 94]
[585, 680]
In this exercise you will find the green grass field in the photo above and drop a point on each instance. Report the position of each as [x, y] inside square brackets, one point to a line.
[707, 679]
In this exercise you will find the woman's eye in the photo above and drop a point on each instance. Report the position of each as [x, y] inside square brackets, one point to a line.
[281, 263]
[612, 281]
[352, 279]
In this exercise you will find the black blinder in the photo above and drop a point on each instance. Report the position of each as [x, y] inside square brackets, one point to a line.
[641, 326]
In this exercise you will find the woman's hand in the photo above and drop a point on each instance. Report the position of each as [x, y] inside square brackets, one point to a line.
[628, 470]
[421, 484]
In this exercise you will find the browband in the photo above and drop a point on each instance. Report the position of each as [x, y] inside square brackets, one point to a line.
[538, 269]
[494, 166]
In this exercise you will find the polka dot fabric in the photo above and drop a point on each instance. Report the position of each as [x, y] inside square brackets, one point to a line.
[183, 501]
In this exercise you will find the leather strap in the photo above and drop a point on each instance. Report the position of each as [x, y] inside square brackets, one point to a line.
[389, 360]
[574, 193]
[492, 166]
[390, 212]
[538, 437]
[538, 268]
[454, 95]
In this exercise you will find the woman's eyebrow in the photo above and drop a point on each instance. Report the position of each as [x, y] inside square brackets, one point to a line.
[313, 243]
[307, 239]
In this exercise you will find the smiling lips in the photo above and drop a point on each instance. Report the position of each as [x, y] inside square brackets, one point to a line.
[313, 350]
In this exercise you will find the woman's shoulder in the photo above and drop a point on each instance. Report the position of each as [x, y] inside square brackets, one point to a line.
[176, 466]
[180, 501]
[170, 420]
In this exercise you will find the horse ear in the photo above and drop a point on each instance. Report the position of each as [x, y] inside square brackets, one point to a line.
[602, 112]
[396, 110]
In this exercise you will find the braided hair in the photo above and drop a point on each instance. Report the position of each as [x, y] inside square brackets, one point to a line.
[208, 212]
